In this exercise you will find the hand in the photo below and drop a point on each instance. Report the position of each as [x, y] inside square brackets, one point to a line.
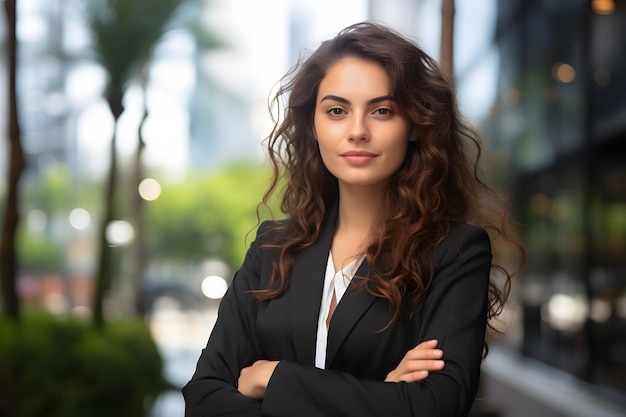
[253, 379]
[417, 363]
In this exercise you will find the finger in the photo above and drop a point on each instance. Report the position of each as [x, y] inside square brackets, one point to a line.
[416, 354]
[436, 365]
[414, 371]
[429, 343]
[422, 365]
[421, 370]
[415, 376]
[406, 377]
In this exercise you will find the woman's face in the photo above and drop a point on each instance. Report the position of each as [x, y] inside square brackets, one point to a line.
[361, 134]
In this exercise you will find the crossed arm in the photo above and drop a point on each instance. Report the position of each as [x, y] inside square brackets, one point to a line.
[414, 366]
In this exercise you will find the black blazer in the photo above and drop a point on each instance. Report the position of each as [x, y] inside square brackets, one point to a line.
[359, 354]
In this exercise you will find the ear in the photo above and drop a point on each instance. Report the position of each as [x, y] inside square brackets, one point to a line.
[413, 134]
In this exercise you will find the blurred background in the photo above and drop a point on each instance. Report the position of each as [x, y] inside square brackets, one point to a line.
[132, 166]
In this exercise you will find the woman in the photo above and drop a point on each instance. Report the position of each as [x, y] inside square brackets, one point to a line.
[373, 297]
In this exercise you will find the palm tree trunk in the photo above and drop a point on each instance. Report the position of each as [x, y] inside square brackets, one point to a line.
[139, 258]
[8, 256]
[115, 95]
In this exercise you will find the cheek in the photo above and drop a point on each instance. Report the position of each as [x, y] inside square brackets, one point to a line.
[320, 126]
[401, 148]
[315, 126]
[324, 153]
[399, 156]
[325, 137]
[327, 155]
[322, 131]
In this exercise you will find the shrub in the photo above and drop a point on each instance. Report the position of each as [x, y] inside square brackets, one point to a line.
[67, 368]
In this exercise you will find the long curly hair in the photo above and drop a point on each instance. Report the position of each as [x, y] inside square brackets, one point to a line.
[440, 183]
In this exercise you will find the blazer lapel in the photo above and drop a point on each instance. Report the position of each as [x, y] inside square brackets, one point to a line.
[306, 287]
[350, 309]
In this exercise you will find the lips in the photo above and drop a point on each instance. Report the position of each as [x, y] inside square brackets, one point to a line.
[358, 157]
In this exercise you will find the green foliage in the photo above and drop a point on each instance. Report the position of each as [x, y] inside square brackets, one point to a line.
[66, 368]
[40, 252]
[54, 189]
[54, 193]
[203, 216]
[208, 216]
[50, 192]
[127, 30]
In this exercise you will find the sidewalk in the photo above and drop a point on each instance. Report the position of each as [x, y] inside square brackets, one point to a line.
[514, 386]
[180, 338]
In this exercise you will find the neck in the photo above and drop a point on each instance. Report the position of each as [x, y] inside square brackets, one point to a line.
[358, 208]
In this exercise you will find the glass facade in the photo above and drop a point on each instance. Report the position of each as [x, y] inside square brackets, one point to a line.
[559, 123]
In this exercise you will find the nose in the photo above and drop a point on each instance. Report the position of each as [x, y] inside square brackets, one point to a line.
[359, 130]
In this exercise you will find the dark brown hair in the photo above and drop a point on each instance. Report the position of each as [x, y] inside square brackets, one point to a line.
[439, 184]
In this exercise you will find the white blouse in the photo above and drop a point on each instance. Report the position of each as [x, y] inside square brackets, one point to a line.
[336, 282]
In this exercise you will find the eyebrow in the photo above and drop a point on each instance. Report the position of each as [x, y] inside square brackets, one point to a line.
[346, 101]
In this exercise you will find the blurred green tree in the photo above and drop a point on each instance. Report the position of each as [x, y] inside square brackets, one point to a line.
[205, 41]
[125, 32]
[8, 256]
[44, 246]
[49, 193]
[208, 217]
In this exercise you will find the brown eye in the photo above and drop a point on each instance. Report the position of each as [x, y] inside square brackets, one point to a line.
[335, 111]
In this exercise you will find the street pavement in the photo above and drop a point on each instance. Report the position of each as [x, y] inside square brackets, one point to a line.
[516, 386]
[180, 337]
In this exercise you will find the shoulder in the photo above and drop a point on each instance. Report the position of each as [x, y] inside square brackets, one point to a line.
[462, 260]
[460, 231]
[272, 230]
[463, 240]
[256, 262]
[271, 236]
[263, 241]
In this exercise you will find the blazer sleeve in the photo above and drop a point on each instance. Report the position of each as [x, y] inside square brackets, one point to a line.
[454, 312]
[212, 390]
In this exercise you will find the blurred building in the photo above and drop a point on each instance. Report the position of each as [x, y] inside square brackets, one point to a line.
[545, 80]
[558, 129]
[41, 87]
